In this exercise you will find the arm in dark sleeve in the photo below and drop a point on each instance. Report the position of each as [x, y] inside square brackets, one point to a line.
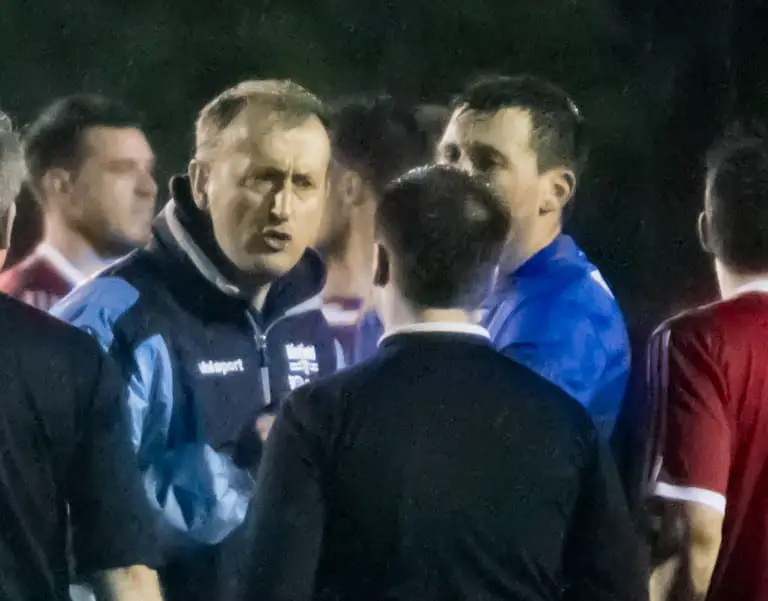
[289, 504]
[604, 559]
[112, 526]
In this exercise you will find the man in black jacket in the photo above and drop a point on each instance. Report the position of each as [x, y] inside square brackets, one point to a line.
[439, 469]
[65, 453]
[218, 320]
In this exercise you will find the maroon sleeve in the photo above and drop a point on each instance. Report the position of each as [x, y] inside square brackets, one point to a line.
[694, 447]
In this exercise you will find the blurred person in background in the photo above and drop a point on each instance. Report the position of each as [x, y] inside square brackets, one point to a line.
[440, 469]
[551, 310]
[373, 142]
[91, 171]
[709, 394]
[65, 452]
[217, 320]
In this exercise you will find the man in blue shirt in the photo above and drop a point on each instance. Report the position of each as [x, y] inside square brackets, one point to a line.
[551, 309]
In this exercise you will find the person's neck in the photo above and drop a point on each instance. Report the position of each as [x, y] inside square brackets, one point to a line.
[73, 246]
[516, 254]
[731, 282]
[401, 314]
[348, 268]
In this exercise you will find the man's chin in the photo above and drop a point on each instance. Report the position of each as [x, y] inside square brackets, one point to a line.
[270, 265]
[117, 246]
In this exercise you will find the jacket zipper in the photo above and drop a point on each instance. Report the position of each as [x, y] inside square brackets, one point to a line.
[260, 337]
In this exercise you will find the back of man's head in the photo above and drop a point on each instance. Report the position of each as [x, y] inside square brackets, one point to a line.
[443, 232]
[557, 127]
[737, 201]
[12, 173]
[54, 140]
[380, 139]
[282, 101]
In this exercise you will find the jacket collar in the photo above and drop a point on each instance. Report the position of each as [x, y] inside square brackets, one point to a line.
[561, 252]
[183, 226]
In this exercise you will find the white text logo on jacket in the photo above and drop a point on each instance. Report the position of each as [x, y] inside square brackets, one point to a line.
[302, 363]
[220, 368]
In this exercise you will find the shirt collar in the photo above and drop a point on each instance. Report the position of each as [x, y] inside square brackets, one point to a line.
[439, 327]
[759, 285]
[562, 246]
[64, 266]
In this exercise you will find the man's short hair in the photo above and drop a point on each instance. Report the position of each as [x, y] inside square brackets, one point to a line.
[445, 231]
[55, 138]
[379, 138]
[557, 127]
[288, 101]
[737, 200]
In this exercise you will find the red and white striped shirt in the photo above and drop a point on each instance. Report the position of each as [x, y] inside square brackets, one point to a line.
[708, 384]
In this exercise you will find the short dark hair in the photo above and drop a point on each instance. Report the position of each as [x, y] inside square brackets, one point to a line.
[737, 200]
[54, 139]
[445, 231]
[380, 138]
[557, 126]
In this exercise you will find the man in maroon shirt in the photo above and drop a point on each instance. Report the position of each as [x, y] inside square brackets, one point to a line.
[374, 141]
[91, 170]
[708, 372]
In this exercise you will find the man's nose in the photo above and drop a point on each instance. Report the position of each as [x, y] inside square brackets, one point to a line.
[465, 164]
[282, 206]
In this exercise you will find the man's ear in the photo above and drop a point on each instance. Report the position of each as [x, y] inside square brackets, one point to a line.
[705, 233]
[350, 188]
[560, 185]
[58, 183]
[198, 178]
[381, 270]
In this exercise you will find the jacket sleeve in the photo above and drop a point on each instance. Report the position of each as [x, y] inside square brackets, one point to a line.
[199, 495]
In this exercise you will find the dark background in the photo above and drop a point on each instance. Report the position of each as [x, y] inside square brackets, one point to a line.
[656, 83]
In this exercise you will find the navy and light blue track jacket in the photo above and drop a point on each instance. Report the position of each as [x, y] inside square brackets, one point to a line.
[201, 364]
[556, 315]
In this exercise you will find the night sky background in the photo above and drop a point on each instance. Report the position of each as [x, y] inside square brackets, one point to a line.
[656, 83]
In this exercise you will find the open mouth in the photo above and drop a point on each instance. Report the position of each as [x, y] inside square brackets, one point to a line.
[276, 240]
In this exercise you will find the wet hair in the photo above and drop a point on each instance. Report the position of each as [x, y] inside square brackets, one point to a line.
[557, 127]
[445, 231]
